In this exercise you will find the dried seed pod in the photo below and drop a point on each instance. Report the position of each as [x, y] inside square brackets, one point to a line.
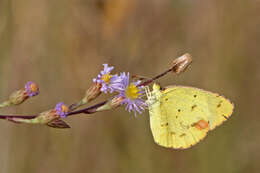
[181, 64]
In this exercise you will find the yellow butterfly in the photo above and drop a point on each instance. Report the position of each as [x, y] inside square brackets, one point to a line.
[181, 116]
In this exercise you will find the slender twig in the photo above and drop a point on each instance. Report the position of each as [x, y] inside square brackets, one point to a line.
[92, 109]
[155, 78]
[179, 65]
[88, 110]
[18, 116]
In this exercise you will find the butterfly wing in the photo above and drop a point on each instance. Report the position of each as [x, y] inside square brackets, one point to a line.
[183, 115]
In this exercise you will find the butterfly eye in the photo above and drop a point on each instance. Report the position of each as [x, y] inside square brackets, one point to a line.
[161, 88]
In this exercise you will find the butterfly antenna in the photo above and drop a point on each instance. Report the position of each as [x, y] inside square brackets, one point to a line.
[178, 65]
[139, 77]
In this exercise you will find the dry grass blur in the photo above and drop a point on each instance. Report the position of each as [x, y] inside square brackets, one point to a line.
[62, 45]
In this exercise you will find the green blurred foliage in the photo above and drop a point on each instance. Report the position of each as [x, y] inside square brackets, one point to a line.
[62, 45]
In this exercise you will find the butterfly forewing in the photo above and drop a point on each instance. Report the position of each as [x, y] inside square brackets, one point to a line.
[184, 115]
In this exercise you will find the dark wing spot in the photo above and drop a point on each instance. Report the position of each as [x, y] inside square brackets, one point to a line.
[179, 110]
[166, 99]
[164, 125]
[195, 96]
[219, 104]
[172, 133]
[193, 107]
[182, 135]
[225, 116]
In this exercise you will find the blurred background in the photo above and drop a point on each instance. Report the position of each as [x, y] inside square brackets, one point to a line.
[62, 44]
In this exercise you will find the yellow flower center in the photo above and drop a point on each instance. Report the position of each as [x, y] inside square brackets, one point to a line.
[106, 78]
[64, 108]
[132, 91]
[34, 87]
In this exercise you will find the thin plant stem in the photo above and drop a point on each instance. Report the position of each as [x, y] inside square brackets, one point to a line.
[91, 109]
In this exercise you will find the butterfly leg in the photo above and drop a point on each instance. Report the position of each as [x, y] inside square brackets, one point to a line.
[147, 92]
[148, 95]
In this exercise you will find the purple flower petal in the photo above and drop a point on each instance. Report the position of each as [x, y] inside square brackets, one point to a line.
[134, 102]
[62, 110]
[110, 83]
[31, 89]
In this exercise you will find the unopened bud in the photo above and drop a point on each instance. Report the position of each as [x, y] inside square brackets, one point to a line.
[47, 116]
[93, 92]
[17, 97]
[111, 104]
[116, 101]
[60, 111]
[181, 64]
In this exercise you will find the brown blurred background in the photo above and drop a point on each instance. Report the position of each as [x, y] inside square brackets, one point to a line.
[62, 45]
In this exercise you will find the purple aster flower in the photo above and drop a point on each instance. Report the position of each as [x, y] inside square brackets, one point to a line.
[132, 94]
[109, 82]
[62, 110]
[31, 89]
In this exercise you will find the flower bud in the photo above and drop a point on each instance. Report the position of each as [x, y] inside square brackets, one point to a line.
[47, 116]
[92, 93]
[60, 111]
[180, 64]
[17, 97]
[111, 104]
